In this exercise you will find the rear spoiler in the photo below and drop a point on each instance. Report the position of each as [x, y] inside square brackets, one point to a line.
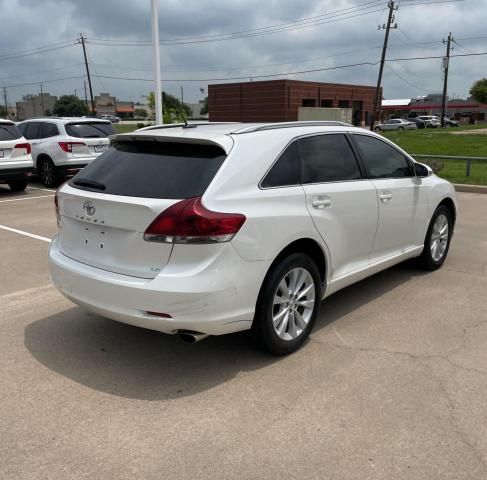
[225, 142]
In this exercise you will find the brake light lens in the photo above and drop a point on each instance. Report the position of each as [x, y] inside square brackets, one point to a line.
[25, 146]
[56, 205]
[188, 221]
[68, 146]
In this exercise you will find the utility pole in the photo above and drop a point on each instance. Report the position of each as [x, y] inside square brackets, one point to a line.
[86, 97]
[182, 96]
[387, 27]
[446, 64]
[5, 100]
[157, 61]
[82, 40]
[42, 102]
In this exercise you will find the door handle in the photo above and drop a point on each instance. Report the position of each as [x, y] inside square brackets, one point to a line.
[385, 196]
[321, 202]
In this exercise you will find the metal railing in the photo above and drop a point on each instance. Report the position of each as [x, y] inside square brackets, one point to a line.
[468, 160]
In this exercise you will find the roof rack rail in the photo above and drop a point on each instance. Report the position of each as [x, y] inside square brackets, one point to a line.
[195, 124]
[274, 126]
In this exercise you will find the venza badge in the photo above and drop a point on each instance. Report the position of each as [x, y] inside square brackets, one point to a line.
[89, 208]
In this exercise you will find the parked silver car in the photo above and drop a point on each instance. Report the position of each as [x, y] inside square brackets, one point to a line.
[395, 124]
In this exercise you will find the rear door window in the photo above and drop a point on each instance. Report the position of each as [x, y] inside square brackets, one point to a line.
[90, 129]
[49, 130]
[9, 132]
[150, 169]
[328, 158]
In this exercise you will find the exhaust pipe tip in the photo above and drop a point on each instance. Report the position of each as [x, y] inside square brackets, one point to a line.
[192, 337]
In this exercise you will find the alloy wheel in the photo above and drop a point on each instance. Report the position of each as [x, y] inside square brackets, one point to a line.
[293, 304]
[47, 173]
[439, 238]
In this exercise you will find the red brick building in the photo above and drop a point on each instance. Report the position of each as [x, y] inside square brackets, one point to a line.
[280, 100]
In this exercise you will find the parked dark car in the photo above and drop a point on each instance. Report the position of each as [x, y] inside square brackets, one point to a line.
[419, 123]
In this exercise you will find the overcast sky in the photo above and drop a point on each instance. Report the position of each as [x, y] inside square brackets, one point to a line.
[30, 24]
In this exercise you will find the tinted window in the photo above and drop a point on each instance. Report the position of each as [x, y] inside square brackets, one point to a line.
[286, 171]
[49, 130]
[9, 132]
[328, 158]
[32, 131]
[383, 161]
[154, 169]
[90, 130]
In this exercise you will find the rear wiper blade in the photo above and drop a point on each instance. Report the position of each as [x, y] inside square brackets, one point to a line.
[86, 182]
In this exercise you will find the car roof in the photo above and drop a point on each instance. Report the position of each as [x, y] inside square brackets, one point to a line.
[225, 134]
[6, 121]
[67, 120]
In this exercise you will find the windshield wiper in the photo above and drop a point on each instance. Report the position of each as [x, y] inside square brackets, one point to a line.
[85, 182]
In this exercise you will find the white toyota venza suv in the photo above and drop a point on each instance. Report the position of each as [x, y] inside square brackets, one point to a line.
[215, 228]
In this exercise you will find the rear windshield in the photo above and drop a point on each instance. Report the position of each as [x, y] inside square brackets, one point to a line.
[9, 132]
[90, 129]
[152, 170]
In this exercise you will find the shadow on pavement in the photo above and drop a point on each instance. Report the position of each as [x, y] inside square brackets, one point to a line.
[135, 363]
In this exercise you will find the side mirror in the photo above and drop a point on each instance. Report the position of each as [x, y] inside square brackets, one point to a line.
[422, 171]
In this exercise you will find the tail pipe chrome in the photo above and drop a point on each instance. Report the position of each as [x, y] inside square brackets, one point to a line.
[191, 337]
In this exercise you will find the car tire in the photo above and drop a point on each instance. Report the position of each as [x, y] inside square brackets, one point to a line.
[437, 241]
[48, 173]
[18, 185]
[377, 129]
[401, 128]
[285, 314]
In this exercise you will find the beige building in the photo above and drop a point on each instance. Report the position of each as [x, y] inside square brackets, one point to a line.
[35, 106]
[106, 104]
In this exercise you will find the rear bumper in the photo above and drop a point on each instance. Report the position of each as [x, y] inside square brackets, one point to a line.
[216, 299]
[14, 173]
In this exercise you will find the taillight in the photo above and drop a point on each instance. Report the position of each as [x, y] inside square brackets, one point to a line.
[188, 221]
[25, 146]
[68, 146]
[56, 204]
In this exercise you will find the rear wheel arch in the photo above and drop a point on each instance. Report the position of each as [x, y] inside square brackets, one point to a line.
[41, 158]
[309, 247]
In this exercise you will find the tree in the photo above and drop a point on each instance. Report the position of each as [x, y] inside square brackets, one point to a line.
[140, 112]
[171, 106]
[204, 108]
[69, 106]
[479, 90]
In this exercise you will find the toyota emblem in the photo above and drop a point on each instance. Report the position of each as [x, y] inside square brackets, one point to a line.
[89, 208]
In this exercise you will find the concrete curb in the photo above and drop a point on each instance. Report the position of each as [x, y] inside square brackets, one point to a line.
[461, 187]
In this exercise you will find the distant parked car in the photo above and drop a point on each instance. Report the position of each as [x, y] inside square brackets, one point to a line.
[15, 157]
[62, 146]
[430, 121]
[395, 124]
[419, 123]
[110, 118]
[451, 123]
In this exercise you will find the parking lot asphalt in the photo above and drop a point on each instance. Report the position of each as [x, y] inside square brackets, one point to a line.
[391, 385]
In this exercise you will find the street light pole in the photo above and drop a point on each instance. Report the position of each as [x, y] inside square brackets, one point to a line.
[157, 61]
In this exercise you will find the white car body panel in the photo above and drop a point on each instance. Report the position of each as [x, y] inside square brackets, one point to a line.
[214, 288]
[14, 159]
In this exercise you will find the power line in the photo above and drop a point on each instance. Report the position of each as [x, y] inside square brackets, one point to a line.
[44, 81]
[5, 58]
[361, 6]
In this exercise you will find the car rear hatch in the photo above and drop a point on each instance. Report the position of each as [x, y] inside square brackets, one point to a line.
[89, 138]
[13, 148]
[106, 208]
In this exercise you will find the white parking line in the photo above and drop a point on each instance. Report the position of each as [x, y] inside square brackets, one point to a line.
[26, 234]
[38, 188]
[22, 199]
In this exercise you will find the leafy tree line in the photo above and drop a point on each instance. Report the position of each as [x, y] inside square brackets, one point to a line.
[479, 90]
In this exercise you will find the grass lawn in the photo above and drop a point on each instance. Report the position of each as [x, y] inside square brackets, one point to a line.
[121, 128]
[443, 142]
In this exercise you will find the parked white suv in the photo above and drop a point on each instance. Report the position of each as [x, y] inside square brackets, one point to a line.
[430, 121]
[62, 146]
[15, 157]
[217, 228]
